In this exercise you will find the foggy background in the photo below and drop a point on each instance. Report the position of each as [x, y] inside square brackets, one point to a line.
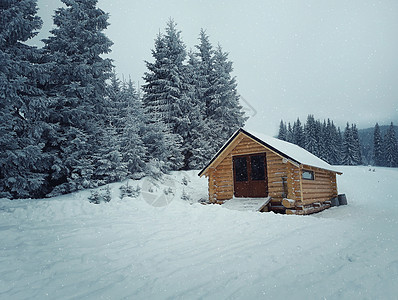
[333, 59]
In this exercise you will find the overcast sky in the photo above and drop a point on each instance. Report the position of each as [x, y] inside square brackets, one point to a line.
[336, 59]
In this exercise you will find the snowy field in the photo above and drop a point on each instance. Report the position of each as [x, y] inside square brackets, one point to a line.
[140, 248]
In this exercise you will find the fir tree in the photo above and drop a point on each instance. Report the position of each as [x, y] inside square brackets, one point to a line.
[334, 144]
[225, 113]
[378, 153]
[165, 94]
[319, 138]
[117, 104]
[339, 137]
[108, 157]
[348, 150]
[133, 149]
[311, 139]
[323, 146]
[78, 92]
[289, 134]
[154, 89]
[196, 144]
[298, 134]
[356, 144]
[391, 147]
[282, 131]
[205, 72]
[23, 107]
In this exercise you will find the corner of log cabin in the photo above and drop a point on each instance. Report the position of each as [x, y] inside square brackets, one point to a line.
[321, 189]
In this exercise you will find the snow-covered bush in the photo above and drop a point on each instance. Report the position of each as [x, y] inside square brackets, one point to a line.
[129, 191]
[104, 195]
[107, 196]
[94, 197]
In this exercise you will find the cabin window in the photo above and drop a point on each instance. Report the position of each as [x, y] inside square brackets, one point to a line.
[241, 169]
[257, 167]
[308, 175]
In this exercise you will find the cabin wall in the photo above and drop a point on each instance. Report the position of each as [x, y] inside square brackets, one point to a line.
[277, 171]
[303, 192]
[221, 181]
[321, 189]
[294, 184]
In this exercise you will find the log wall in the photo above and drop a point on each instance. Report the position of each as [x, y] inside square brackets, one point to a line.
[304, 194]
[321, 189]
[221, 181]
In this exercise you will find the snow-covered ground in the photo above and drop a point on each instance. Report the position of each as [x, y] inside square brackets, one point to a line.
[157, 246]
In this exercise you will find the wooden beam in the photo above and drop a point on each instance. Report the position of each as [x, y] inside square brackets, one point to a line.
[288, 203]
[301, 183]
[225, 152]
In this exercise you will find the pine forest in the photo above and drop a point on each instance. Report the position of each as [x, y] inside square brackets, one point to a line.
[350, 147]
[67, 121]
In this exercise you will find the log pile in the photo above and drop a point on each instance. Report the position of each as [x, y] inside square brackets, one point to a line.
[296, 208]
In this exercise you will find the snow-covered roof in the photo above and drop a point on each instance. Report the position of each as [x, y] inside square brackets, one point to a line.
[283, 148]
[292, 151]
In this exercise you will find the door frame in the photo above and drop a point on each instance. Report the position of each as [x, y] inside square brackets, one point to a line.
[256, 184]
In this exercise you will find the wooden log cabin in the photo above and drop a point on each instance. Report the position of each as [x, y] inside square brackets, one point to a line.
[293, 180]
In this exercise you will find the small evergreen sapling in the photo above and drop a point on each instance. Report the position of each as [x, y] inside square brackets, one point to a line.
[107, 195]
[129, 191]
[104, 195]
[94, 197]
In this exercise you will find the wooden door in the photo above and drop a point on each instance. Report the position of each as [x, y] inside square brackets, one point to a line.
[250, 176]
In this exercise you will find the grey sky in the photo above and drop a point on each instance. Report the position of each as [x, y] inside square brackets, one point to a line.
[334, 59]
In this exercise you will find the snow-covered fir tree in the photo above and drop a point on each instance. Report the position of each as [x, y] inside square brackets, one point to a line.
[378, 149]
[23, 165]
[310, 132]
[77, 90]
[391, 147]
[357, 144]
[109, 166]
[334, 144]
[196, 144]
[165, 93]
[117, 104]
[225, 115]
[133, 126]
[204, 71]
[282, 133]
[349, 150]
[298, 134]
[340, 145]
[200, 72]
[191, 101]
[289, 134]
[323, 146]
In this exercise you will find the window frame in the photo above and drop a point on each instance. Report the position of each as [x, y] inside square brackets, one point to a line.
[309, 172]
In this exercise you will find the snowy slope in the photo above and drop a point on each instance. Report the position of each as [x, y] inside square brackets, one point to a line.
[139, 248]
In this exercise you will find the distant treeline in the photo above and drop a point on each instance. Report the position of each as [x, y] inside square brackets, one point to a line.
[328, 142]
